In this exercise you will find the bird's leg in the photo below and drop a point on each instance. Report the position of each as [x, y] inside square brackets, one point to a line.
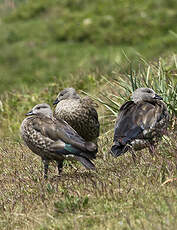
[60, 166]
[152, 149]
[46, 166]
[132, 152]
[133, 155]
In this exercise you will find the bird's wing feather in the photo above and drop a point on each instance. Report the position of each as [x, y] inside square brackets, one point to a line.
[45, 126]
[70, 136]
[133, 119]
[61, 130]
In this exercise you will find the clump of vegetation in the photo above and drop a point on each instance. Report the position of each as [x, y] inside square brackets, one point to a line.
[159, 76]
[71, 204]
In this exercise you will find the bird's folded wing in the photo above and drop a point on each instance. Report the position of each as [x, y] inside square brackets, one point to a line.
[95, 116]
[61, 130]
[133, 119]
[45, 126]
[70, 136]
[89, 102]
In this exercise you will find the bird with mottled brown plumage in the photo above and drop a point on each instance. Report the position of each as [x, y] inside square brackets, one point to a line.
[79, 112]
[54, 139]
[140, 123]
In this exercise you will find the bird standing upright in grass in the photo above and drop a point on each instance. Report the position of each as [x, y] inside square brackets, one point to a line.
[78, 112]
[54, 139]
[140, 123]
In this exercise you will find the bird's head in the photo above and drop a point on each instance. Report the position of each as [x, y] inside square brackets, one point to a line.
[145, 94]
[67, 93]
[41, 109]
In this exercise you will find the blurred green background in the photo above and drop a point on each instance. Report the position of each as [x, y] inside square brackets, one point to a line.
[55, 41]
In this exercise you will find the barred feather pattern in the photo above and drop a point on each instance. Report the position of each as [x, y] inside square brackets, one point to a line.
[36, 141]
[81, 115]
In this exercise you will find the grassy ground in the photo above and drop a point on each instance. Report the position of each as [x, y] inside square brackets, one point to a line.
[120, 195]
[46, 46]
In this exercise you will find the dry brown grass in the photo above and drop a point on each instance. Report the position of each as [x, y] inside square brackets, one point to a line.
[119, 195]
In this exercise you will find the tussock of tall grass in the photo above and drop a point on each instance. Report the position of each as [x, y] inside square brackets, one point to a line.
[158, 76]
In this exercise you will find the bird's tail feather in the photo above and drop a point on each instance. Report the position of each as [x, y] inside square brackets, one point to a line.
[86, 162]
[120, 146]
[117, 150]
[75, 151]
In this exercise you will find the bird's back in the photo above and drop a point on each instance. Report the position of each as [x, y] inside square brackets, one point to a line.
[81, 115]
[140, 123]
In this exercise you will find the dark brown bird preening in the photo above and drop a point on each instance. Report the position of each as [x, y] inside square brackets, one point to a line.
[54, 139]
[78, 112]
[140, 123]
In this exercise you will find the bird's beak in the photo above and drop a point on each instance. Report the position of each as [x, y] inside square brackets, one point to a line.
[56, 102]
[158, 97]
[29, 113]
